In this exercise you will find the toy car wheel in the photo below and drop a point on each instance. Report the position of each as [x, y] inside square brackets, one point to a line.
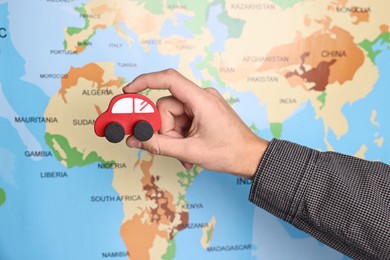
[143, 131]
[114, 133]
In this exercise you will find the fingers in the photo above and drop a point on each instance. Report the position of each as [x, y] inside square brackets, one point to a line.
[180, 87]
[174, 120]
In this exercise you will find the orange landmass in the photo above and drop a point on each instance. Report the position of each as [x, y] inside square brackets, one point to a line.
[79, 49]
[295, 80]
[332, 51]
[100, 26]
[91, 72]
[102, 9]
[360, 17]
[332, 6]
[98, 110]
[325, 22]
[384, 28]
[138, 237]
[307, 21]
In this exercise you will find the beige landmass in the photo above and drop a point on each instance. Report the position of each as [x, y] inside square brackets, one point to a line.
[373, 118]
[379, 141]
[361, 152]
[207, 233]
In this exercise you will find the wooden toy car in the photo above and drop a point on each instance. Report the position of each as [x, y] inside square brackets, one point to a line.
[128, 114]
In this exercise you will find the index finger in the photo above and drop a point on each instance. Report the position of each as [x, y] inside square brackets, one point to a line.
[179, 86]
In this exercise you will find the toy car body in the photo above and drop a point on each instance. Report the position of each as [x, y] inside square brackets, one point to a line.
[128, 114]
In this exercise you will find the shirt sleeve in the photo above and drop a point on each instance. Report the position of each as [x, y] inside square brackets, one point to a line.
[341, 200]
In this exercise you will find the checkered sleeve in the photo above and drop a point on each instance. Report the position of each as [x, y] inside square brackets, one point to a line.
[341, 200]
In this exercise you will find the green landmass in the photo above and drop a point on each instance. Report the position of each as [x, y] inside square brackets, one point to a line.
[284, 4]
[187, 177]
[205, 64]
[123, 81]
[254, 128]
[369, 45]
[199, 20]
[232, 101]
[72, 156]
[276, 129]
[209, 235]
[2, 197]
[146, 92]
[205, 83]
[153, 6]
[73, 30]
[171, 251]
[322, 98]
[76, 30]
[181, 200]
[234, 26]
[84, 14]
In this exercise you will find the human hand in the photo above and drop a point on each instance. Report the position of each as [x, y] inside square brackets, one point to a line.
[198, 127]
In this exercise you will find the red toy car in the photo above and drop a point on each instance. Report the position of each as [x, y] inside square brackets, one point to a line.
[128, 114]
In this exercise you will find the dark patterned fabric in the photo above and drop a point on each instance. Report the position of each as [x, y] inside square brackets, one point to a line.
[341, 200]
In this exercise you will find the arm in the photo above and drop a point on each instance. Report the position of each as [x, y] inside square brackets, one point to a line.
[341, 200]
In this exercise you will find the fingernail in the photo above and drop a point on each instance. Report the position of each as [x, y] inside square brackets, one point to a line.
[127, 85]
[135, 144]
[123, 89]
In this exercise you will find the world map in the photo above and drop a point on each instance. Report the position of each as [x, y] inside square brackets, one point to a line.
[313, 72]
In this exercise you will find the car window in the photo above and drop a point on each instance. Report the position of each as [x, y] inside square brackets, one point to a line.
[142, 106]
[123, 106]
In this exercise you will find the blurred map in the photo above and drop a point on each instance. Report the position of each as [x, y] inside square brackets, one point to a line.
[309, 71]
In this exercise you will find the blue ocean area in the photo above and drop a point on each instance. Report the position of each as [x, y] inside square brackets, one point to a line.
[39, 32]
[217, 29]
[247, 106]
[303, 128]
[176, 28]
[48, 218]
[228, 202]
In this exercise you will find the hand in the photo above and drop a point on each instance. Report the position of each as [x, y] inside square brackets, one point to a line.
[198, 127]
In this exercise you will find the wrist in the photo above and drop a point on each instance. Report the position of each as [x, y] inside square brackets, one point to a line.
[252, 157]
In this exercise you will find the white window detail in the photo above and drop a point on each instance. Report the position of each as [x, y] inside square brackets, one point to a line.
[142, 106]
[123, 106]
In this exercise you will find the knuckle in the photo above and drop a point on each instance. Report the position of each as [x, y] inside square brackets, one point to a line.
[155, 149]
[214, 95]
[170, 72]
[211, 90]
[162, 103]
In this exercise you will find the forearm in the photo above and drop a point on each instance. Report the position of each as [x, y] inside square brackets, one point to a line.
[341, 200]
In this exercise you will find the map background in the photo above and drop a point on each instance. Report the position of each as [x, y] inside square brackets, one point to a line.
[53, 218]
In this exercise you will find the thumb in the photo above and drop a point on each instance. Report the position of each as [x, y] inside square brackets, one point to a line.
[161, 144]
